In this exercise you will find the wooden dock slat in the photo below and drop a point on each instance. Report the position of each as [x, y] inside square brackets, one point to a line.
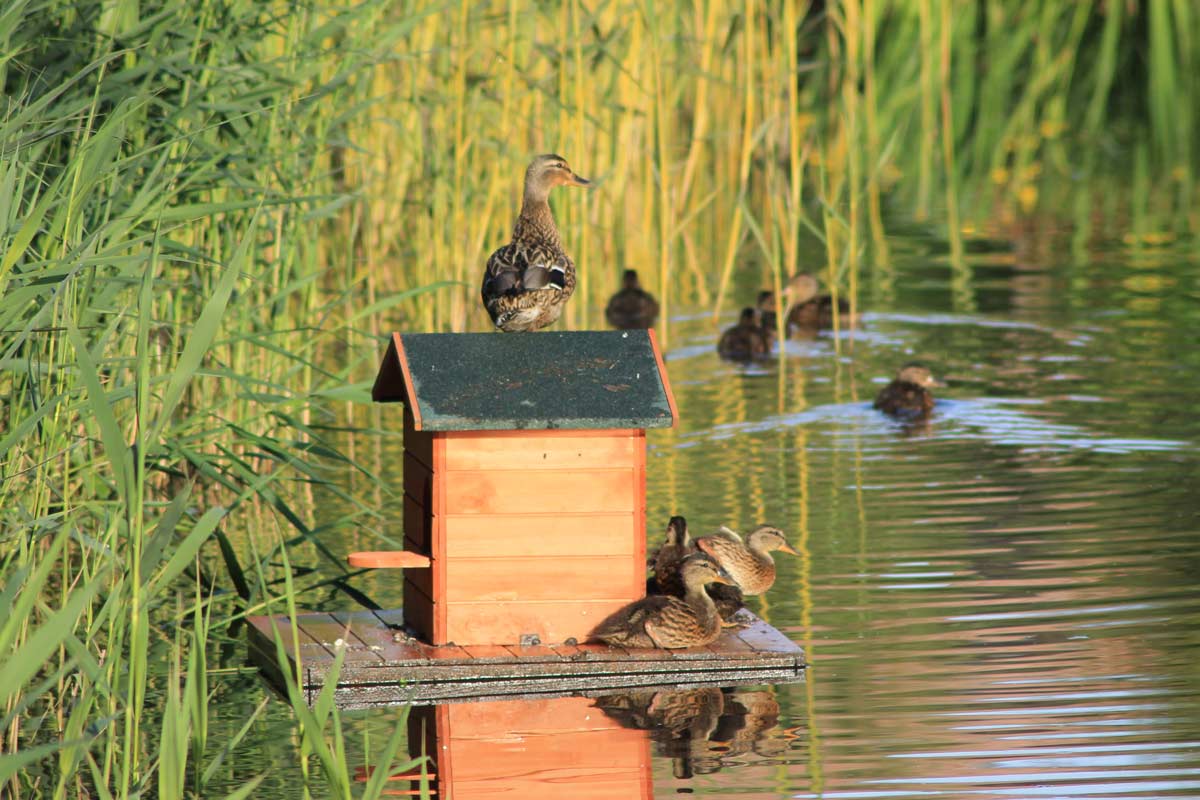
[763, 638]
[489, 653]
[535, 652]
[329, 631]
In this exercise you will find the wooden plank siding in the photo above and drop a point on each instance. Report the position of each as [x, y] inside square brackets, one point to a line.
[530, 533]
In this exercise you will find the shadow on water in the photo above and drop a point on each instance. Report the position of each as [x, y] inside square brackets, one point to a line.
[1001, 602]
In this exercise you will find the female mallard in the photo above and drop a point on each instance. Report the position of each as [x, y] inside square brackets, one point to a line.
[809, 311]
[908, 396]
[529, 280]
[660, 620]
[677, 546]
[744, 341]
[748, 562]
[631, 307]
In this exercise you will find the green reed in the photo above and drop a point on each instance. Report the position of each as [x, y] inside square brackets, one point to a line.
[210, 212]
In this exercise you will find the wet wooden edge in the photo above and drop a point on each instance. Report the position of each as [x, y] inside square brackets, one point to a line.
[350, 697]
[378, 655]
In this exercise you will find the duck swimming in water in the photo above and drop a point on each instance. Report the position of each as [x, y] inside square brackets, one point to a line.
[528, 281]
[744, 341]
[632, 306]
[810, 312]
[908, 396]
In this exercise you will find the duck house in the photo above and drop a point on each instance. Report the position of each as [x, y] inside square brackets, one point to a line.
[524, 480]
[524, 525]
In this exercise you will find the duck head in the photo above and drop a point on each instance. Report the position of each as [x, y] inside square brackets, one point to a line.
[698, 570]
[547, 171]
[767, 538]
[918, 374]
[677, 532]
[801, 288]
[630, 281]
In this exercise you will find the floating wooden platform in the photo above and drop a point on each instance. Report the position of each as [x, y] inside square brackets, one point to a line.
[383, 666]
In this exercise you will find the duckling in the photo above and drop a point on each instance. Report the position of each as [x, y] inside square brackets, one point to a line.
[908, 396]
[748, 562]
[631, 307]
[660, 620]
[767, 316]
[529, 280]
[744, 341]
[666, 561]
[811, 312]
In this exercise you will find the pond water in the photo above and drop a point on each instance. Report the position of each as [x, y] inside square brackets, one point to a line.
[1000, 603]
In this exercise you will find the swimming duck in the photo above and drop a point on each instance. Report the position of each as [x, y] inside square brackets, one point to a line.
[908, 395]
[747, 561]
[810, 311]
[767, 316]
[677, 546]
[529, 280]
[631, 307]
[744, 341]
[660, 620]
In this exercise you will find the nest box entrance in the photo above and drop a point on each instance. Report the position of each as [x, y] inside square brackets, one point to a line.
[524, 479]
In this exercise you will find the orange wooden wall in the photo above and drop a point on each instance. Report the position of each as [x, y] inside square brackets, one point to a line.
[529, 532]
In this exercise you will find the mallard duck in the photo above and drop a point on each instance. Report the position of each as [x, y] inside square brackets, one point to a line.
[529, 280]
[744, 341]
[748, 561]
[660, 620]
[809, 311]
[908, 395]
[632, 306]
[677, 546]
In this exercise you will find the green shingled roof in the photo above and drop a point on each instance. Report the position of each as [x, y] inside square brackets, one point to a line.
[488, 381]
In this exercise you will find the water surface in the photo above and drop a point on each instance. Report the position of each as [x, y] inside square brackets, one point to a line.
[1000, 603]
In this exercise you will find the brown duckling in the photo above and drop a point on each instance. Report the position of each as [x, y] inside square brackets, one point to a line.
[660, 620]
[677, 546]
[809, 311]
[767, 316]
[631, 307]
[744, 341]
[529, 280]
[908, 396]
[748, 561]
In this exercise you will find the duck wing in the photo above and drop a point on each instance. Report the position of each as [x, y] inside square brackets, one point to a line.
[522, 267]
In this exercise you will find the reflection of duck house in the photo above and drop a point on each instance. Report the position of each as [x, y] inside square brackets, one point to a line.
[524, 527]
[555, 748]
[524, 479]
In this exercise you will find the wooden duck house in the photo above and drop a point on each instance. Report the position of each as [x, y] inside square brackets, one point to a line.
[524, 480]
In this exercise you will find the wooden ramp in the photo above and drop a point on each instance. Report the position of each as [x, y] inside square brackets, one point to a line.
[383, 666]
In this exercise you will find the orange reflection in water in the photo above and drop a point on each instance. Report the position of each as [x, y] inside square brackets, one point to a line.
[561, 747]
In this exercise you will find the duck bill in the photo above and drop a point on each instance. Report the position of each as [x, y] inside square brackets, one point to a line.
[787, 548]
[576, 180]
[725, 577]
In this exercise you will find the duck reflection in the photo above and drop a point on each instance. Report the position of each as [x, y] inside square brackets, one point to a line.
[700, 729]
